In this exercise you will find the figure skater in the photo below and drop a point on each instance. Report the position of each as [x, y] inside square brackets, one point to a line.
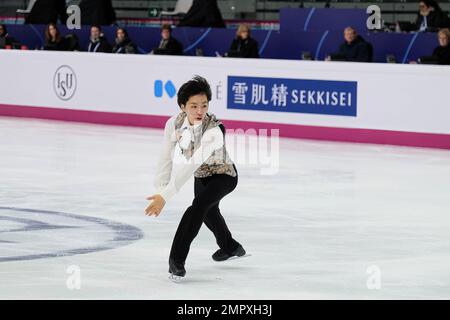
[200, 137]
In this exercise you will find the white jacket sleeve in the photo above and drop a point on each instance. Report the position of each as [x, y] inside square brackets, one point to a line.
[211, 140]
[164, 167]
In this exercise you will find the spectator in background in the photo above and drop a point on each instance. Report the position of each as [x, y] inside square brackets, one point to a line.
[168, 44]
[5, 38]
[72, 42]
[97, 41]
[47, 11]
[203, 13]
[441, 54]
[123, 42]
[431, 17]
[97, 12]
[53, 39]
[355, 48]
[243, 46]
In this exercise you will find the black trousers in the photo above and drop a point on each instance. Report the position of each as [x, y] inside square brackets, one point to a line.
[205, 209]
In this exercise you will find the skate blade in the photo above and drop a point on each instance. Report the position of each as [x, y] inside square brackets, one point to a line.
[176, 279]
[236, 257]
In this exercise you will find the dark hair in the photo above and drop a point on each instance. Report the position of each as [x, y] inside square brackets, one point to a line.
[48, 37]
[96, 26]
[197, 85]
[166, 26]
[125, 32]
[4, 28]
[432, 3]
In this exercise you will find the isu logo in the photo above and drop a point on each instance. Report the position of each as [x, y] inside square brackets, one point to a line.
[65, 83]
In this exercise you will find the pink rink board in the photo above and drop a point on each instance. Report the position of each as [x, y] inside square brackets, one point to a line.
[399, 138]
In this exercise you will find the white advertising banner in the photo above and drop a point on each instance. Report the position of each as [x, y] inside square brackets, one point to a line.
[408, 98]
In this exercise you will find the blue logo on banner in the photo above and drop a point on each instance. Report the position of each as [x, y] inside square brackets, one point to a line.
[292, 95]
[169, 87]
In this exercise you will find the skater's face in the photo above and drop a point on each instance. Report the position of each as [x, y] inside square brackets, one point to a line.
[196, 108]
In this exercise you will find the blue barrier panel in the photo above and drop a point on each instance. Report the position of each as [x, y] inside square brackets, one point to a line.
[272, 44]
[423, 45]
[322, 19]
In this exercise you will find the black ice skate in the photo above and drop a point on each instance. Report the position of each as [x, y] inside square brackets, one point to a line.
[176, 270]
[221, 255]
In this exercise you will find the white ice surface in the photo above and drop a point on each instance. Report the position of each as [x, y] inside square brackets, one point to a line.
[312, 230]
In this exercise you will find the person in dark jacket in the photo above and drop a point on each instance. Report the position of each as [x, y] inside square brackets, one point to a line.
[168, 44]
[441, 54]
[355, 48]
[47, 11]
[53, 39]
[6, 39]
[243, 46]
[203, 13]
[431, 17]
[97, 12]
[123, 43]
[97, 41]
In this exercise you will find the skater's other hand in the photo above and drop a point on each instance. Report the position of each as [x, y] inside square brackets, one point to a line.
[156, 206]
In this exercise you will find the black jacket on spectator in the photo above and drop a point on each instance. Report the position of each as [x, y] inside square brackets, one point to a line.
[7, 40]
[125, 46]
[359, 50]
[60, 45]
[101, 45]
[72, 42]
[247, 48]
[97, 12]
[442, 54]
[203, 13]
[47, 11]
[171, 47]
[435, 21]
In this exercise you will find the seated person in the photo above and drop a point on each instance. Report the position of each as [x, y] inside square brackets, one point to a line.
[5, 38]
[72, 42]
[53, 39]
[203, 13]
[168, 44]
[355, 48]
[243, 46]
[97, 41]
[441, 54]
[431, 17]
[123, 42]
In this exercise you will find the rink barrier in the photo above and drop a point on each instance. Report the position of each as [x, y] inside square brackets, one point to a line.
[298, 35]
[357, 135]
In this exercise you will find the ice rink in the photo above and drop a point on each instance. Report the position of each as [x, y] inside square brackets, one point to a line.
[338, 221]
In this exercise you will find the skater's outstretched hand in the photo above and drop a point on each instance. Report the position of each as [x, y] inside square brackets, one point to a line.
[156, 206]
